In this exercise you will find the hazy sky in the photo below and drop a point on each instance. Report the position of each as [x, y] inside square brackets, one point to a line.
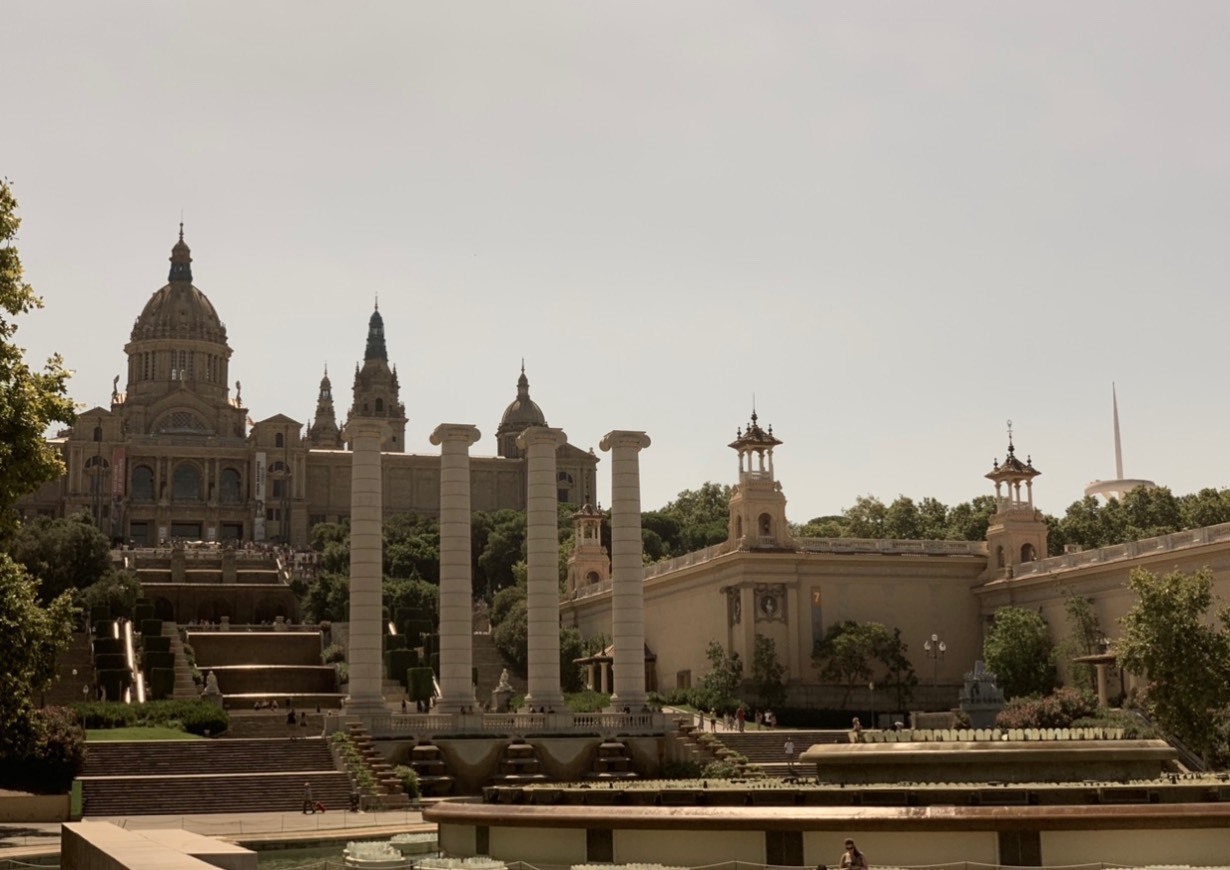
[897, 225]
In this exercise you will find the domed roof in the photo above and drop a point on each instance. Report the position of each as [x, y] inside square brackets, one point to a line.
[523, 412]
[179, 310]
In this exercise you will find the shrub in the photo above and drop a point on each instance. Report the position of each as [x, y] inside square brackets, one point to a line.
[409, 780]
[1057, 710]
[151, 627]
[343, 672]
[588, 701]
[398, 661]
[680, 770]
[156, 644]
[333, 654]
[724, 769]
[195, 717]
[419, 681]
[54, 754]
[161, 683]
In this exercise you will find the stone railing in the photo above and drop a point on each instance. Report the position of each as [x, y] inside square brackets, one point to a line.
[984, 735]
[1132, 549]
[422, 725]
[592, 589]
[890, 547]
[687, 559]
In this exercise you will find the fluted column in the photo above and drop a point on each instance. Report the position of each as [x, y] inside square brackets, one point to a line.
[456, 583]
[542, 566]
[627, 569]
[364, 653]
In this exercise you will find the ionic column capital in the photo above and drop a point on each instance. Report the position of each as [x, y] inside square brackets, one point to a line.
[453, 432]
[360, 427]
[541, 435]
[623, 438]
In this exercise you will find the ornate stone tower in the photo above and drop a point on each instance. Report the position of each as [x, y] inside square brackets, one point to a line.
[519, 416]
[589, 563]
[376, 390]
[324, 432]
[1017, 532]
[757, 505]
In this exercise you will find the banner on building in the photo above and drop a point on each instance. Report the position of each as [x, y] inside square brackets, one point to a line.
[118, 472]
[258, 521]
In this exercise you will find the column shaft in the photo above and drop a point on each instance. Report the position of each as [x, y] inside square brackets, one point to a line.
[542, 567]
[456, 582]
[627, 570]
[364, 654]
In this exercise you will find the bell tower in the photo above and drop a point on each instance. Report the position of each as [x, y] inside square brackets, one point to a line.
[1017, 531]
[377, 392]
[757, 505]
[589, 563]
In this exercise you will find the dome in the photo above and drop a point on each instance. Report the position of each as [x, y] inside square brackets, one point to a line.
[523, 412]
[179, 310]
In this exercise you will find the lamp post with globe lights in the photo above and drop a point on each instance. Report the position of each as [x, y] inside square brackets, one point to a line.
[935, 649]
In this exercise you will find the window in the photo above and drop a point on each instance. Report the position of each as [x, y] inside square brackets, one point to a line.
[229, 486]
[1027, 553]
[98, 433]
[279, 440]
[278, 489]
[380, 406]
[186, 483]
[142, 483]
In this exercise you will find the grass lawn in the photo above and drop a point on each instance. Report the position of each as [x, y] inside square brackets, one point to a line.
[151, 732]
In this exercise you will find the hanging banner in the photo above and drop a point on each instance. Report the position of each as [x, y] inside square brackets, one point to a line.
[118, 473]
[258, 521]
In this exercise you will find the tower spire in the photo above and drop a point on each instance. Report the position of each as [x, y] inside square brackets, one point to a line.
[1114, 401]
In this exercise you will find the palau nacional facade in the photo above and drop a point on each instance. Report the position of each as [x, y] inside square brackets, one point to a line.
[174, 456]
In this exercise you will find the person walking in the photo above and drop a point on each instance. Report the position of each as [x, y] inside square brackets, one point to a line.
[740, 719]
[309, 805]
[789, 747]
[852, 858]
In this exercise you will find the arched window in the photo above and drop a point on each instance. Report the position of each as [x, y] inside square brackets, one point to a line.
[765, 523]
[563, 487]
[279, 440]
[98, 433]
[186, 483]
[999, 557]
[142, 483]
[591, 577]
[229, 486]
[738, 527]
[1028, 554]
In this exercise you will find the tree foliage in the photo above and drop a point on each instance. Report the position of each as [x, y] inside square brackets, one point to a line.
[695, 519]
[117, 591]
[1178, 635]
[1019, 651]
[1084, 636]
[30, 400]
[63, 554]
[905, 519]
[721, 684]
[855, 653]
[768, 673]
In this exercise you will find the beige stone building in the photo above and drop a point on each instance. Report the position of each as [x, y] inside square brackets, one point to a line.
[175, 455]
[940, 594]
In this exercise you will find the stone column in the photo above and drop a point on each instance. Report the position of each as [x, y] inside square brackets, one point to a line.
[364, 654]
[542, 566]
[627, 570]
[456, 583]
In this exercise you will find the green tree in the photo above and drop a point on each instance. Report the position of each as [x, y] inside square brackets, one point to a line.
[412, 547]
[1084, 636]
[63, 554]
[30, 401]
[33, 634]
[328, 598]
[117, 591]
[1019, 651]
[420, 596]
[721, 684]
[768, 674]
[1171, 636]
[503, 548]
[850, 652]
[899, 676]
[702, 515]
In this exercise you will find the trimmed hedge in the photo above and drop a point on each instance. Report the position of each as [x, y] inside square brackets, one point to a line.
[159, 660]
[156, 644]
[99, 613]
[161, 683]
[108, 644]
[143, 613]
[111, 662]
[114, 682]
[195, 717]
[419, 683]
[398, 661]
[394, 641]
[102, 628]
[151, 627]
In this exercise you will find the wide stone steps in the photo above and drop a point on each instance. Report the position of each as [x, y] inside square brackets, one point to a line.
[197, 757]
[74, 669]
[234, 793]
[768, 747]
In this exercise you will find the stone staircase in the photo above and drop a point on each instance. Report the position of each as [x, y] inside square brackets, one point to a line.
[128, 778]
[766, 748]
[74, 669]
[612, 762]
[518, 765]
[429, 763]
[490, 664]
[185, 688]
[392, 794]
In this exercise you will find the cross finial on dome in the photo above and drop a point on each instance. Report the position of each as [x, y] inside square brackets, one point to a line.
[181, 259]
[377, 301]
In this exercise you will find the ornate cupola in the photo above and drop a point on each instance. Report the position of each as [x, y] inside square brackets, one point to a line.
[324, 432]
[518, 416]
[376, 388]
[589, 565]
[179, 362]
[757, 504]
[1017, 530]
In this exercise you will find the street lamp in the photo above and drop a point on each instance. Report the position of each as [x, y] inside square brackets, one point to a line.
[871, 687]
[935, 651]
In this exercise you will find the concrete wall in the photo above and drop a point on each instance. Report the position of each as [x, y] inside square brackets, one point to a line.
[540, 845]
[1193, 846]
[34, 808]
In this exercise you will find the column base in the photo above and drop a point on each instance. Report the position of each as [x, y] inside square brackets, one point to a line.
[547, 703]
[366, 706]
[455, 704]
[634, 703]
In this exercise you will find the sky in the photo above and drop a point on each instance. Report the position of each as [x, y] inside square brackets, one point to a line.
[892, 226]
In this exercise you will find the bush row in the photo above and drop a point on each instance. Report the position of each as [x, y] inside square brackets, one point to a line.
[195, 717]
[48, 756]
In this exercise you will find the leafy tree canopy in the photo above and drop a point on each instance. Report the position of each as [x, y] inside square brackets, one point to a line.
[905, 519]
[856, 653]
[1019, 651]
[63, 554]
[768, 673]
[30, 401]
[1178, 634]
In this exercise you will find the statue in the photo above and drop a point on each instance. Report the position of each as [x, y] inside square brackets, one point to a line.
[211, 684]
[505, 685]
[238, 393]
[115, 389]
